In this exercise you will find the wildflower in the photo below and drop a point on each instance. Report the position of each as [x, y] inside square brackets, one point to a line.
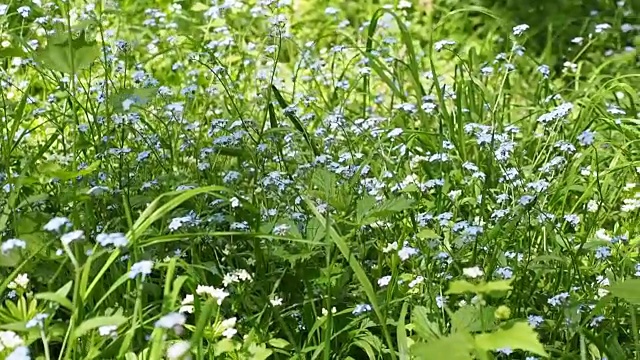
[600, 28]
[186, 304]
[473, 272]
[20, 353]
[520, 29]
[415, 282]
[558, 299]
[406, 252]
[141, 268]
[603, 252]
[441, 301]
[178, 350]
[384, 281]
[325, 312]
[572, 219]
[586, 138]
[24, 11]
[9, 340]
[215, 293]
[596, 321]
[115, 239]
[505, 272]
[171, 321]
[108, 330]
[361, 308]
[390, 247]
[22, 280]
[506, 351]
[37, 320]
[592, 206]
[535, 320]
[67, 238]
[56, 223]
[276, 301]
[12, 244]
[439, 45]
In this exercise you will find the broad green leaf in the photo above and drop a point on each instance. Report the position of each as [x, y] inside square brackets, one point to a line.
[139, 96]
[393, 206]
[279, 343]
[363, 207]
[68, 57]
[97, 322]
[516, 336]
[428, 234]
[457, 346]
[223, 346]
[426, 329]
[628, 290]
[473, 319]
[199, 7]
[463, 286]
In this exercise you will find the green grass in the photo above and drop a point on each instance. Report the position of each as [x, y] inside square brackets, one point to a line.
[318, 180]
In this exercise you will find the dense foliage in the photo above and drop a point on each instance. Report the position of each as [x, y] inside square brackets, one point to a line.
[300, 179]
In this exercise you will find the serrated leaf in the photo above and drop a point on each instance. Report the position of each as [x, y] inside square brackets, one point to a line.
[516, 336]
[628, 290]
[97, 322]
[457, 346]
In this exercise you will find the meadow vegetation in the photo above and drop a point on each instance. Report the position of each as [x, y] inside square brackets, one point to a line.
[298, 179]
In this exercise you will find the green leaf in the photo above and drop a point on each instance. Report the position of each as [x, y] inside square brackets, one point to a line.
[294, 120]
[279, 343]
[139, 96]
[223, 346]
[199, 7]
[628, 290]
[69, 56]
[428, 234]
[516, 336]
[457, 346]
[97, 322]
[463, 286]
[393, 206]
[473, 319]
[426, 329]
[59, 297]
[363, 207]
[403, 351]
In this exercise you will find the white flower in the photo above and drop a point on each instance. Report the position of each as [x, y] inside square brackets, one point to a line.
[186, 304]
[276, 301]
[171, 320]
[406, 252]
[592, 206]
[325, 312]
[439, 45]
[418, 280]
[3, 9]
[228, 333]
[215, 293]
[115, 239]
[141, 267]
[601, 234]
[392, 246]
[178, 350]
[108, 330]
[56, 223]
[228, 323]
[20, 353]
[473, 272]
[9, 340]
[384, 281]
[22, 280]
[72, 236]
[97, 190]
[12, 244]
[602, 292]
